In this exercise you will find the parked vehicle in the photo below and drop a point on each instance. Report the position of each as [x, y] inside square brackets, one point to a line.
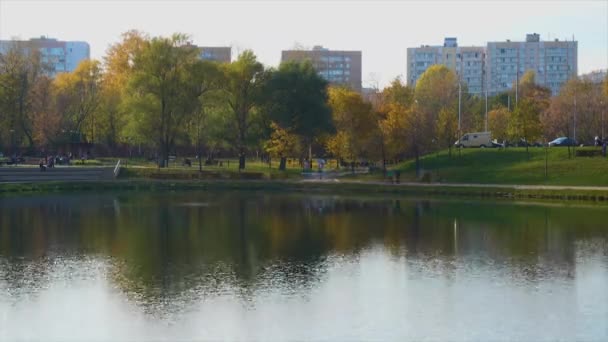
[562, 141]
[477, 139]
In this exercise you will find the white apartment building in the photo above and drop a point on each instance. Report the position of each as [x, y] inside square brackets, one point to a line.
[554, 62]
[57, 56]
[497, 66]
[468, 63]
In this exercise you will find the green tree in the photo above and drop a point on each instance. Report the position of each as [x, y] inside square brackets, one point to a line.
[295, 98]
[242, 85]
[164, 90]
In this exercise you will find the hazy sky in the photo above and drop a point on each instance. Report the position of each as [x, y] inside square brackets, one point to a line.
[383, 30]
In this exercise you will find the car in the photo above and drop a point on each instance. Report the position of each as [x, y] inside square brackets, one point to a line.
[477, 139]
[562, 141]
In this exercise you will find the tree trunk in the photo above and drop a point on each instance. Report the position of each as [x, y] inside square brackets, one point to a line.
[241, 158]
[417, 163]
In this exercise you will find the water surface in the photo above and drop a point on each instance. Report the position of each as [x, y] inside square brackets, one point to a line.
[253, 266]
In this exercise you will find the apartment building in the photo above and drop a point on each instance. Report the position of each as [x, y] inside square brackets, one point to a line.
[596, 76]
[468, 62]
[57, 56]
[336, 66]
[554, 62]
[498, 65]
[222, 54]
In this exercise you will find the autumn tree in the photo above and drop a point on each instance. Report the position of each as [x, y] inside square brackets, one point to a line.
[447, 128]
[78, 98]
[282, 143]
[525, 120]
[118, 70]
[20, 68]
[498, 122]
[436, 89]
[354, 121]
[242, 84]
[46, 119]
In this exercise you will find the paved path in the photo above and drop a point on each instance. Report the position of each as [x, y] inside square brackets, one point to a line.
[22, 174]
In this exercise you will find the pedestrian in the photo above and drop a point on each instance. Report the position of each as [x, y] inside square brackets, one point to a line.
[41, 164]
[397, 175]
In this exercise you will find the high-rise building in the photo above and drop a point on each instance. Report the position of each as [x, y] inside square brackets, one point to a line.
[554, 62]
[222, 54]
[337, 67]
[498, 65]
[57, 56]
[466, 61]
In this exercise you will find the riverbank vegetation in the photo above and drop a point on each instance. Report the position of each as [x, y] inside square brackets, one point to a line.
[154, 98]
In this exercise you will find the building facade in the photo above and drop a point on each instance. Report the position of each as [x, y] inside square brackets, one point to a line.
[597, 76]
[497, 66]
[554, 62]
[222, 54]
[57, 56]
[467, 62]
[337, 67]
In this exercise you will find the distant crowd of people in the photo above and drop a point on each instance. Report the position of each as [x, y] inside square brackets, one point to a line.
[63, 159]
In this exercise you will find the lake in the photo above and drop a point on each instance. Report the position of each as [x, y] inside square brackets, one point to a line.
[256, 266]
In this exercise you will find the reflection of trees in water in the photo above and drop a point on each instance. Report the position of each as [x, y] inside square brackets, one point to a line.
[171, 247]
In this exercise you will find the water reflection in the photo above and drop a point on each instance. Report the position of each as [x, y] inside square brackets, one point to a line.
[169, 255]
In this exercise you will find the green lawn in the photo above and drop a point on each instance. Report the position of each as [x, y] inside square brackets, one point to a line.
[510, 166]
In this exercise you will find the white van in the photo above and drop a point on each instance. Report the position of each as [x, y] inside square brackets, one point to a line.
[478, 139]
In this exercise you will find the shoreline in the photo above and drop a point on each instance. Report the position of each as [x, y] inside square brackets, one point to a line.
[480, 191]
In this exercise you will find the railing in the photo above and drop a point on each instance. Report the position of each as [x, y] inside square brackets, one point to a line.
[117, 169]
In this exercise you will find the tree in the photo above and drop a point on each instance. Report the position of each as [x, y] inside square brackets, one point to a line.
[525, 122]
[78, 98]
[46, 120]
[282, 143]
[207, 74]
[164, 90]
[498, 122]
[295, 98]
[395, 94]
[118, 70]
[447, 128]
[19, 71]
[436, 89]
[354, 121]
[242, 84]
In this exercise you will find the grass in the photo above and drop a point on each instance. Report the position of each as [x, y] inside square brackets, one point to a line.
[510, 166]
[590, 196]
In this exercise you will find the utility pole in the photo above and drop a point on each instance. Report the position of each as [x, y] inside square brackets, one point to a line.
[486, 109]
[459, 133]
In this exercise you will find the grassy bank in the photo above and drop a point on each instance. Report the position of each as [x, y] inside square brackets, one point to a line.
[510, 166]
[308, 187]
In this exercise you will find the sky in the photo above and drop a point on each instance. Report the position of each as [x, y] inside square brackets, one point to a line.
[382, 30]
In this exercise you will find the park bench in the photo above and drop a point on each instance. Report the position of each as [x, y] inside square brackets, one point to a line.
[589, 153]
